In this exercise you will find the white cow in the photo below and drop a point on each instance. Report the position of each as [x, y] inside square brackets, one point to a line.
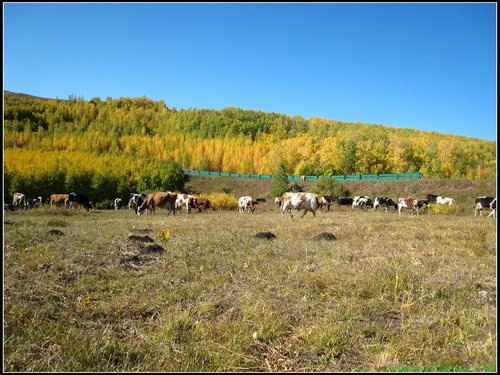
[299, 201]
[19, 200]
[445, 201]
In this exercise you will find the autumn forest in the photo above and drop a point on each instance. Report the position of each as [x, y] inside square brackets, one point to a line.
[116, 145]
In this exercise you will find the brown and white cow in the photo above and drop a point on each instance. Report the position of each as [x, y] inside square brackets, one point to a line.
[159, 199]
[327, 201]
[414, 205]
[299, 201]
[246, 204]
[58, 200]
[186, 200]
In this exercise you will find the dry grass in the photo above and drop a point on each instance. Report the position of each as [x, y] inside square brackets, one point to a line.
[86, 292]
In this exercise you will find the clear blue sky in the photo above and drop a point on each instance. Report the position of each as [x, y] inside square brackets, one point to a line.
[429, 66]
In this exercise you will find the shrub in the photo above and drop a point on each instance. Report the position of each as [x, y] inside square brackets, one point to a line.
[222, 201]
[329, 186]
[439, 209]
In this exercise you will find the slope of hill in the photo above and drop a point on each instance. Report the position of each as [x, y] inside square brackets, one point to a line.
[126, 130]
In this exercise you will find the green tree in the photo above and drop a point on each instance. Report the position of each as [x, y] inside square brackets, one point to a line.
[78, 180]
[349, 161]
[329, 186]
[166, 175]
[104, 186]
[279, 183]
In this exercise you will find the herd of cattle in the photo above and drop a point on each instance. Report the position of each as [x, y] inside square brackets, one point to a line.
[138, 202]
[174, 202]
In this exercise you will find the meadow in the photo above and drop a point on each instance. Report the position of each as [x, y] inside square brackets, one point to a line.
[110, 291]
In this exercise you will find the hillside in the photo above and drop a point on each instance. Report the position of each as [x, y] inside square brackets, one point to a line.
[115, 137]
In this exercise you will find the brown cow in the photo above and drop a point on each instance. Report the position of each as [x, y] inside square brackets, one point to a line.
[58, 200]
[159, 199]
[204, 203]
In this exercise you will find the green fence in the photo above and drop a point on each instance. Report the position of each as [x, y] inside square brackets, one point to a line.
[346, 177]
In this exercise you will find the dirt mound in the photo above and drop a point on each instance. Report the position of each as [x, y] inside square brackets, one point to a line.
[139, 250]
[324, 236]
[265, 235]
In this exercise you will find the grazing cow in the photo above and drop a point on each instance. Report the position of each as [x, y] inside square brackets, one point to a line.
[204, 203]
[246, 204]
[384, 202]
[79, 198]
[483, 202]
[493, 206]
[299, 201]
[261, 200]
[58, 200]
[117, 204]
[414, 205]
[19, 200]
[327, 200]
[35, 202]
[345, 201]
[159, 199]
[362, 201]
[186, 200]
[445, 200]
[431, 198]
[136, 201]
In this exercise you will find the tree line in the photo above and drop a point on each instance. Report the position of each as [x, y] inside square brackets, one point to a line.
[120, 142]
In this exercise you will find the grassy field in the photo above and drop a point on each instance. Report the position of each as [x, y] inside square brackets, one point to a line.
[110, 291]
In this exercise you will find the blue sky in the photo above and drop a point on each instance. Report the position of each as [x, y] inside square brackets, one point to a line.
[428, 66]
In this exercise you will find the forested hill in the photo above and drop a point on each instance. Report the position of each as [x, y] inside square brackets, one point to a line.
[120, 134]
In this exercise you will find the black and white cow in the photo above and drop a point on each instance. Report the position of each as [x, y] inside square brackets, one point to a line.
[362, 201]
[345, 201]
[384, 202]
[431, 198]
[493, 207]
[79, 198]
[135, 201]
[484, 202]
[117, 203]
